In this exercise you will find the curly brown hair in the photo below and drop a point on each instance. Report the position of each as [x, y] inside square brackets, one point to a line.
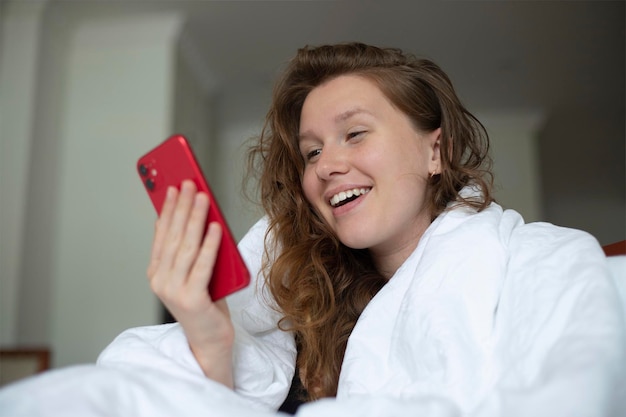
[319, 285]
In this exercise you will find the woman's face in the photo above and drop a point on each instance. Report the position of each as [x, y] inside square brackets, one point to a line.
[366, 166]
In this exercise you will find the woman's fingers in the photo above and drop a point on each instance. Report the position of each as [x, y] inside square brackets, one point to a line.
[161, 227]
[183, 256]
[202, 270]
[194, 231]
[177, 226]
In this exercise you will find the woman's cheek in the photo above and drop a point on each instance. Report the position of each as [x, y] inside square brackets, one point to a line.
[309, 187]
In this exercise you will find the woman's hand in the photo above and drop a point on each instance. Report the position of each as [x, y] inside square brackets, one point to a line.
[180, 269]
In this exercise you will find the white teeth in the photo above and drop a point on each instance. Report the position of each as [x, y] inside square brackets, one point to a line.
[343, 195]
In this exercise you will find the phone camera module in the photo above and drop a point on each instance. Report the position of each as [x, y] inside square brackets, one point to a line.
[143, 170]
[150, 184]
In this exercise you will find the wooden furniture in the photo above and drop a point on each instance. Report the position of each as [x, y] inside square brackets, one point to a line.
[617, 248]
[20, 363]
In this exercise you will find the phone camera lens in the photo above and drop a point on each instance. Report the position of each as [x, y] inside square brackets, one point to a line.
[150, 184]
[143, 170]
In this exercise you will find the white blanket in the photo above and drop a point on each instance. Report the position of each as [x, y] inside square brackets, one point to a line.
[488, 317]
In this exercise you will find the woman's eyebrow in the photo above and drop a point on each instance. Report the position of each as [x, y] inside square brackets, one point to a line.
[304, 136]
[341, 117]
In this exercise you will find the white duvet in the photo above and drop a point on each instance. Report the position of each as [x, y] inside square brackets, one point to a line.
[488, 317]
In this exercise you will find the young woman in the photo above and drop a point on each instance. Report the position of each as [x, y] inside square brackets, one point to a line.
[384, 264]
[385, 275]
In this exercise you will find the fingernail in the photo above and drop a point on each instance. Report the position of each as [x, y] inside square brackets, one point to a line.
[187, 184]
[198, 198]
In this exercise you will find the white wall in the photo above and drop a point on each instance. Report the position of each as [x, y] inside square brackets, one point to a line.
[240, 115]
[104, 97]
[585, 178]
[20, 30]
[514, 136]
[118, 104]
[194, 102]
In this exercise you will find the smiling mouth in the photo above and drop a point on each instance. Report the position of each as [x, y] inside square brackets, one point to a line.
[345, 197]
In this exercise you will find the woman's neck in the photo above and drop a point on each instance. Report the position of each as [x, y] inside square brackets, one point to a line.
[388, 259]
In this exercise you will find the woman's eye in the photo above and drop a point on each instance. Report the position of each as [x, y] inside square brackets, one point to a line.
[312, 154]
[356, 134]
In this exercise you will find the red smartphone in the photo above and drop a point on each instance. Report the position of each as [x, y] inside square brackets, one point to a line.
[169, 164]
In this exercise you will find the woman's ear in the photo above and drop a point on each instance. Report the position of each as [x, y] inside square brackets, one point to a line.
[435, 149]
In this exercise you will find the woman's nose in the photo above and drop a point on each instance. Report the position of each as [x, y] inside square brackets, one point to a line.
[331, 162]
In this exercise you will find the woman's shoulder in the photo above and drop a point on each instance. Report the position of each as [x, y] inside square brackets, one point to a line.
[554, 241]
